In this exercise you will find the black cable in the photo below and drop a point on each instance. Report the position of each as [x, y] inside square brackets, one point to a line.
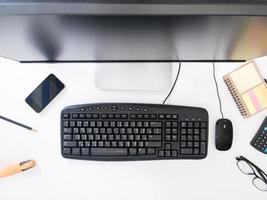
[217, 89]
[173, 86]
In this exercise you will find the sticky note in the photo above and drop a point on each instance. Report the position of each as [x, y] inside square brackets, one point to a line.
[246, 77]
[249, 103]
[261, 93]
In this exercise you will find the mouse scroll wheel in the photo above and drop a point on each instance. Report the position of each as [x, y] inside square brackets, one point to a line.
[224, 126]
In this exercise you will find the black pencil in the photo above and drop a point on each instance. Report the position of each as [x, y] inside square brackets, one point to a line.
[17, 123]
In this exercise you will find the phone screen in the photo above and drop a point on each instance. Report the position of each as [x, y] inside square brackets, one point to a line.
[44, 93]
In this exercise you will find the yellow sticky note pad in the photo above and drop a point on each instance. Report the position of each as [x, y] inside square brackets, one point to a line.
[261, 93]
[249, 103]
[246, 77]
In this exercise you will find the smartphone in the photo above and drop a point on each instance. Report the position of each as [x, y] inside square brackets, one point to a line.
[44, 93]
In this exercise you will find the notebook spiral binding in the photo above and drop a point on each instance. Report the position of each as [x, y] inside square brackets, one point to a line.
[235, 96]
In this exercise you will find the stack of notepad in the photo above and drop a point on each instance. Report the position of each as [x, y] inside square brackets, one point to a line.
[248, 89]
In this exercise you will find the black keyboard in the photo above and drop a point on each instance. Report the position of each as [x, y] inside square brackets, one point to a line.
[121, 131]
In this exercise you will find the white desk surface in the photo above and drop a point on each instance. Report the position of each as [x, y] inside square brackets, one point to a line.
[216, 177]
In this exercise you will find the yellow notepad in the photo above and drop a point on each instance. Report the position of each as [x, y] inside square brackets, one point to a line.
[248, 89]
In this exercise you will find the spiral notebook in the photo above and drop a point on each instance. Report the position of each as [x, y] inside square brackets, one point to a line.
[248, 89]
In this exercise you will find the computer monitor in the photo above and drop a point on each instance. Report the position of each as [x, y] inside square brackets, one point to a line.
[132, 30]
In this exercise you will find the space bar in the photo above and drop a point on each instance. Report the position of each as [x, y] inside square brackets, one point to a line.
[108, 151]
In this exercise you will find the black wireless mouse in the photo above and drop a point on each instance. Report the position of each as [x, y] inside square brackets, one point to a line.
[223, 134]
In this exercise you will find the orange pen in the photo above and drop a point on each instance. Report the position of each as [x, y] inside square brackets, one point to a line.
[14, 169]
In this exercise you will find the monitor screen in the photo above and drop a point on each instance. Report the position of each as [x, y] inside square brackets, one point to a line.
[50, 32]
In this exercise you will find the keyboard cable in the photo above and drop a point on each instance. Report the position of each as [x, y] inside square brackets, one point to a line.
[173, 86]
[217, 89]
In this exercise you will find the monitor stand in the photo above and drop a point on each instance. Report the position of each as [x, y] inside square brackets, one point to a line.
[134, 76]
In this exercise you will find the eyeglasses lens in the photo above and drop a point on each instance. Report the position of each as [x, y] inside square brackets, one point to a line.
[245, 167]
[260, 184]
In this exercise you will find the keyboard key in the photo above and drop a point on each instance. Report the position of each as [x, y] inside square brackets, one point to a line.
[85, 151]
[174, 153]
[153, 144]
[81, 116]
[124, 116]
[155, 124]
[190, 124]
[154, 137]
[66, 116]
[111, 116]
[140, 116]
[189, 144]
[161, 116]
[167, 131]
[203, 124]
[174, 124]
[168, 116]
[109, 152]
[67, 137]
[95, 116]
[140, 144]
[196, 151]
[203, 135]
[87, 144]
[76, 151]
[67, 151]
[168, 153]
[189, 137]
[153, 116]
[121, 144]
[196, 124]
[144, 137]
[70, 144]
[183, 137]
[88, 116]
[107, 144]
[203, 147]
[134, 144]
[174, 116]
[80, 144]
[174, 138]
[141, 151]
[82, 130]
[104, 116]
[186, 151]
[132, 151]
[156, 131]
[196, 137]
[114, 144]
[183, 131]
[67, 130]
[196, 144]
[151, 151]
[94, 144]
[75, 116]
[161, 153]
[167, 124]
[127, 144]
[167, 137]
[183, 124]
[100, 143]
[183, 144]
[89, 131]
[72, 123]
[65, 123]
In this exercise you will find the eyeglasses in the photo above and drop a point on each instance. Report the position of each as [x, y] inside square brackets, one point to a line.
[249, 168]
